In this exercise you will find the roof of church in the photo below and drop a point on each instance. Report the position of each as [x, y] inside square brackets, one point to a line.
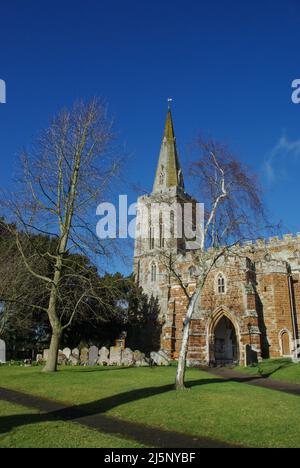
[168, 173]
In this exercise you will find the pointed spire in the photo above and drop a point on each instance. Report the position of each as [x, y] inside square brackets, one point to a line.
[169, 129]
[168, 173]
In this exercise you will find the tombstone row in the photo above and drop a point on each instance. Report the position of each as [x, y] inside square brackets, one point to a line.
[115, 356]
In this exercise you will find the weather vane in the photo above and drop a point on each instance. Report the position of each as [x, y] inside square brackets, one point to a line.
[170, 100]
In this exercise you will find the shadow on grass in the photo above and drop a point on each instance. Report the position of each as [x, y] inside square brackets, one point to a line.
[107, 368]
[232, 375]
[273, 367]
[92, 415]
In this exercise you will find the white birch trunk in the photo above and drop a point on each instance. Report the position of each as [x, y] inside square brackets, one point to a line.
[185, 341]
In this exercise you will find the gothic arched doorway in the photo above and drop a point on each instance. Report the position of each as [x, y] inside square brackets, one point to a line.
[225, 342]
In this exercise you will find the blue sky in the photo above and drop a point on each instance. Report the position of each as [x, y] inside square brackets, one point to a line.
[228, 65]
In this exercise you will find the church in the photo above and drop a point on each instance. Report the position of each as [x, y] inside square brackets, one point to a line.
[250, 304]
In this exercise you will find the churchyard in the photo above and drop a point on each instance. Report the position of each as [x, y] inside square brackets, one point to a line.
[131, 405]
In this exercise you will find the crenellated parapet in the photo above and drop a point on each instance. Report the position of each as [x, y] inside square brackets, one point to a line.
[271, 266]
[275, 242]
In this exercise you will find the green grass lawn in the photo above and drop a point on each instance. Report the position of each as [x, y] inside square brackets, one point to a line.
[278, 369]
[227, 411]
[52, 434]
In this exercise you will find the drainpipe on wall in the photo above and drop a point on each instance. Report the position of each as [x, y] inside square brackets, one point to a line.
[293, 312]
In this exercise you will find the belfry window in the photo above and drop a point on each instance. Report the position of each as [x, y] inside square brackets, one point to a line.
[151, 238]
[221, 285]
[172, 225]
[153, 273]
[151, 232]
[161, 232]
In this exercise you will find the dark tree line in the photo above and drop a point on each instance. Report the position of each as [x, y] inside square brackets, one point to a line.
[120, 305]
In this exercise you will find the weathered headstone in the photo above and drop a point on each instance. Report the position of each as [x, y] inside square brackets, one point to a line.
[142, 363]
[39, 358]
[84, 357]
[67, 352]
[2, 352]
[160, 358]
[45, 354]
[140, 359]
[93, 355]
[138, 356]
[103, 359]
[76, 353]
[115, 356]
[73, 360]
[127, 357]
[61, 358]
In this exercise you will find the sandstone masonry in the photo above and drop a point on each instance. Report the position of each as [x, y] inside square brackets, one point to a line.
[250, 306]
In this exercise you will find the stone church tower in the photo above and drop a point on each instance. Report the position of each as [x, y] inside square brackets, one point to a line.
[160, 217]
[250, 304]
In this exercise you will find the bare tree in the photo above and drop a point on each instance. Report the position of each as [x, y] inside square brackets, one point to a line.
[16, 285]
[63, 177]
[234, 212]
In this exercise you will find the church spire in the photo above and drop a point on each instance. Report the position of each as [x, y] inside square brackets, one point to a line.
[168, 173]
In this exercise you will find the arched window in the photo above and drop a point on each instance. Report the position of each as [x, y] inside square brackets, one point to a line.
[172, 225]
[153, 273]
[221, 284]
[151, 238]
[161, 232]
[151, 232]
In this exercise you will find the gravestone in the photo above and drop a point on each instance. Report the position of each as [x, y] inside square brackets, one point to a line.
[115, 356]
[74, 361]
[67, 353]
[160, 358]
[84, 357]
[140, 359]
[127, 357]
[74, 358]
[103, 359]
[138, 356]
[2, 352]
[61, 358]
[45, 354]
[93, 355]
[76, 353]
[142, 363]
[39, 358]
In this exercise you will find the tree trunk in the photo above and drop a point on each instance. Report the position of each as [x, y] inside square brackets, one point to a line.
[51, 364]
[179, 385]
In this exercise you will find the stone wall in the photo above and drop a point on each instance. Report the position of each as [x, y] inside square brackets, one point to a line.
[262, 294]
